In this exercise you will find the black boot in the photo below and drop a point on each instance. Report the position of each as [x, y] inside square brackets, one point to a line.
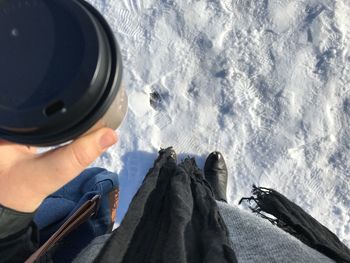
[215, 172]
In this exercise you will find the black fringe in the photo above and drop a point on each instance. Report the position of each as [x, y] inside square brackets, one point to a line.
[277, 209]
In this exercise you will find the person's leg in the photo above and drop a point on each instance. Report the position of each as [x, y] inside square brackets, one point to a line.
[166, 158]
[254, 239]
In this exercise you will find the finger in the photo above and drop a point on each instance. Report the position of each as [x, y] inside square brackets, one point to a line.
[17, 146]
[58, 167]
[4, 143]
[31, 149]
[12, 152]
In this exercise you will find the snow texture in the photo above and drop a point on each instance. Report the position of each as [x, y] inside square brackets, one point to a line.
[266, 82]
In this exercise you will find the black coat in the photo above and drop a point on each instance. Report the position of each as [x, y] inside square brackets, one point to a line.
[172, 218]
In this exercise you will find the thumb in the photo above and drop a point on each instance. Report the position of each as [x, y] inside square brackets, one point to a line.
[58, 167]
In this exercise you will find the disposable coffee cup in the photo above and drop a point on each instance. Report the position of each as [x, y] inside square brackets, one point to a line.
[60, 72]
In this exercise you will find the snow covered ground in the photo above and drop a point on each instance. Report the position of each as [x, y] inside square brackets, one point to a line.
[266, 82]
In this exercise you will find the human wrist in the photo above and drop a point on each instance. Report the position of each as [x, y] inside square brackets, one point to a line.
[21, 202]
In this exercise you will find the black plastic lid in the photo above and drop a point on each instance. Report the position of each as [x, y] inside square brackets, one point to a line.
[56, 60]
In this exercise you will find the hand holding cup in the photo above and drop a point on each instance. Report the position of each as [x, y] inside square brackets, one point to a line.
[27, 178]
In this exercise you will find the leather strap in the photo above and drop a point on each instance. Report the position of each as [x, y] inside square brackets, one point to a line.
[87, 210]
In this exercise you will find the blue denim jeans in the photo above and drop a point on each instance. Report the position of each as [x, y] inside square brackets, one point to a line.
[58, 207]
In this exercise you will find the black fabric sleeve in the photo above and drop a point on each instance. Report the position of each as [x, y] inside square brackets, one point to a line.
[12, 222]
[18, 235]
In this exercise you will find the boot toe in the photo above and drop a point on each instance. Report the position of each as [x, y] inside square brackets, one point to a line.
[215, 171]
[215, 161]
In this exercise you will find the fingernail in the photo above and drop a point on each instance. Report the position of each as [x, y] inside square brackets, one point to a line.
[108, 139]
